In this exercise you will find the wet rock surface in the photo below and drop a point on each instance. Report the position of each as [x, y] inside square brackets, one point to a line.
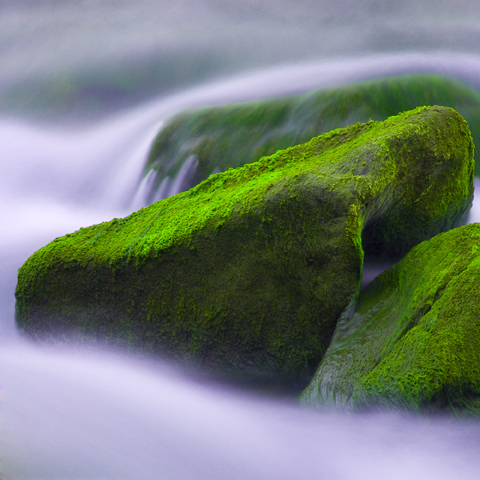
[249, 271]
[412, 340]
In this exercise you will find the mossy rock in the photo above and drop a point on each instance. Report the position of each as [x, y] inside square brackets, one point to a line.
[413, 339]
[250, 270]
[232, 135]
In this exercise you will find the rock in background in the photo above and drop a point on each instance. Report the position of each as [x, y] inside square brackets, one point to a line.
[197, 143]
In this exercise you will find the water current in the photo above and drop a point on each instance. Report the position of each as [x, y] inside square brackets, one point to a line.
[84, 87]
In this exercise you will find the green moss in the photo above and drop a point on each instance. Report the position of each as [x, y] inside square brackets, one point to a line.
[413, 339]
[230, 136]
[251, 269]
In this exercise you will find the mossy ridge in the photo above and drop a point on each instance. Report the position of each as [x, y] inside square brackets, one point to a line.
[272, 249]
[413, 339]
[329, 158]
[233, 135]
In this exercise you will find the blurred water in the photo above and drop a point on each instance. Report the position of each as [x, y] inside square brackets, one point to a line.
[105, 75]
[88, 57]
[68, 415]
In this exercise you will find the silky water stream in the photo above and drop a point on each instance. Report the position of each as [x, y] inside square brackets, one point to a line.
[76, 414]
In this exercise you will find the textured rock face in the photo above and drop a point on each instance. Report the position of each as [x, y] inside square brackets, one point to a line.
[413, 339]
[250, 270]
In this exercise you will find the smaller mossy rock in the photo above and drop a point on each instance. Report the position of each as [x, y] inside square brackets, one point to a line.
[230, 136]
[413, 339]
[251, 269]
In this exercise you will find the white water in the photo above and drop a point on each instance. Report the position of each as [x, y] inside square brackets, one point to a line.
[72, 414]
[79, 416]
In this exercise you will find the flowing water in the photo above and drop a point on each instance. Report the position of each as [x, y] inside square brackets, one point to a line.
[84, 87]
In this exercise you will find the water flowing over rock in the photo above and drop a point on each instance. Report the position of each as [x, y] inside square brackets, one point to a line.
[229, 136]
[250, 270]
[412, 341]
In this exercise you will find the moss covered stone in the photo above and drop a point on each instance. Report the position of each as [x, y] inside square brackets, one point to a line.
[232, 135]
[413, 339]
[251, 269]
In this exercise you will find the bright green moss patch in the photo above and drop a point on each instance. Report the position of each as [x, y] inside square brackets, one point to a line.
[233, 135]
[413, 339]
[250, 270]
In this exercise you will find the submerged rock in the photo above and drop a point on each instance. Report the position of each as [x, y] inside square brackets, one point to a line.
[250, 270]
[228, 136]
[413, 339]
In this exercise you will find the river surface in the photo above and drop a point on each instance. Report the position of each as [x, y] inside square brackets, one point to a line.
[84, 87]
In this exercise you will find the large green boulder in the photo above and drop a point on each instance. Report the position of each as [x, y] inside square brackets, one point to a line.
[412, 341]
[232, 135]
[250, 270]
